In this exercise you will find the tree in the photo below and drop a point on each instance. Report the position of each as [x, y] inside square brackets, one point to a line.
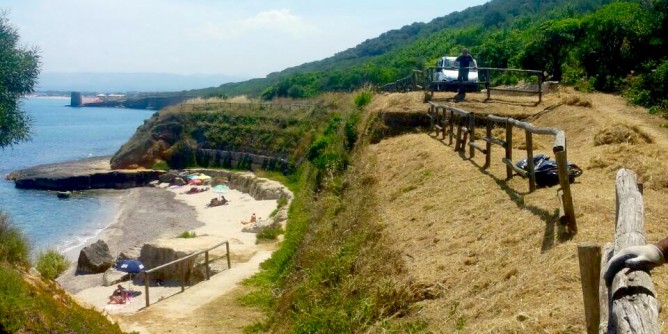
[19, 68]
[551, 44]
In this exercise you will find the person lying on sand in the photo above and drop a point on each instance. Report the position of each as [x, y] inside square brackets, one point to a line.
[196, 190]
[217, 202]
[253, 219]
[119, 296]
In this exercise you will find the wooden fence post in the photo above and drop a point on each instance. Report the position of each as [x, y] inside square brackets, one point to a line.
[471, 128]
[530, 165]
[634, 308]
[227, 246]
[451, 124]
[509, 149]
[488, 145]
[565, 184]
[589, 256]
[146, 280]
[206, 263]
[444, 123]
[603, 297]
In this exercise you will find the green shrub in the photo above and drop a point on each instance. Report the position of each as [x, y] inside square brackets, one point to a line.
[270, 233]
[14, 246]
[187, 235]
[282, 202]
[161, 165]
[363, 98]
[51, 264]
[350, 130]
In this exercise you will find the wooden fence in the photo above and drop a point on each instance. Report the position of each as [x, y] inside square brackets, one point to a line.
[419, 80]
[184, 273]
[412, 82]
[629, 304]
[240, 106]
[444, 119]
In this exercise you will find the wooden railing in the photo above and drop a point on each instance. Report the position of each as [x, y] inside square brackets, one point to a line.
[484, 80]
[240, 106]
[444, 119]
[147, 274]
[409, 83]
[629, 304]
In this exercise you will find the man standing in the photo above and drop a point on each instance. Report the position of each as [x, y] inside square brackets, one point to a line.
[465, 61]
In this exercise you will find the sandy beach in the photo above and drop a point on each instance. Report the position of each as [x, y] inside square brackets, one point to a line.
[149, 214]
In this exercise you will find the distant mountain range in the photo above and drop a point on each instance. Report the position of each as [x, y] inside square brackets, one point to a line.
[128, 82]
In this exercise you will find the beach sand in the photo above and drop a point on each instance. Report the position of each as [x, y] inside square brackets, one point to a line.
[148, 214]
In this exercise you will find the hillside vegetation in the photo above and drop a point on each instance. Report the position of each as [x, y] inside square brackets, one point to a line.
[31, 304]
[609, 46]
[413, 237]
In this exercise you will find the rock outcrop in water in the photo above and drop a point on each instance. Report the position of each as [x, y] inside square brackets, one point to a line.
[94, 173]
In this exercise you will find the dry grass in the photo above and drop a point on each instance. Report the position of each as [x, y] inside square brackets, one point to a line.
[575, 100]
[622, 134]
[496, 255]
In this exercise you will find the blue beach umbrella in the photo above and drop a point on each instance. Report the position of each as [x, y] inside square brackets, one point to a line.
[130, 266]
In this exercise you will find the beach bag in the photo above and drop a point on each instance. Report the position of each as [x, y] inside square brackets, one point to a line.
[546, 171]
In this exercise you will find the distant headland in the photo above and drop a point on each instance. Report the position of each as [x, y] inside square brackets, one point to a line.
[78, 99]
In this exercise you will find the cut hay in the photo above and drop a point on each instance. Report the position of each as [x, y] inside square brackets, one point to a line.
[497, 252]
[577, 101]
[622, 134]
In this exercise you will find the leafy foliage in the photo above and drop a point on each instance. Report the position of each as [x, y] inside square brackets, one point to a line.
[19, 68]
[14, 246]
[51, 263]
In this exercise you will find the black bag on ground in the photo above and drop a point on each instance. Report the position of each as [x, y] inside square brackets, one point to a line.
[546, 170]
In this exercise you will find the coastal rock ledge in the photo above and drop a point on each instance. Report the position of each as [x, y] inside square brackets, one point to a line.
[94, 173]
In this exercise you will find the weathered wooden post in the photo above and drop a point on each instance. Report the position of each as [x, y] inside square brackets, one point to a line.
[227, 246]
[471, 128]
[634, 307]
[146, 280]
[451, 124]
[603, 298]
[589, 256]
[487, 79]
[541, 78]
[509, 148]
[530, 165]
[444, 122]
[564, 182]
[488, 144]
[206, 263]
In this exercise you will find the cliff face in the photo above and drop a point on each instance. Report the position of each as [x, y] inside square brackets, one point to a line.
[222, 136]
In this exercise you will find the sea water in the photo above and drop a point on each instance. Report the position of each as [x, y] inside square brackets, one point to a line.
[61, 133]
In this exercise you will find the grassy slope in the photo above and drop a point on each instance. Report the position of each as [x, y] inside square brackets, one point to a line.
[31, 305]
[497, 253]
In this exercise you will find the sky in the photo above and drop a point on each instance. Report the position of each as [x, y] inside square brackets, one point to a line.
[240, 38]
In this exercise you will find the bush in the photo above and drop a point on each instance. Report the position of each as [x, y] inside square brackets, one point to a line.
[187, 235]
[270, 233]
[363, 98]
[51, 264]
[161, 165]
[14, 246]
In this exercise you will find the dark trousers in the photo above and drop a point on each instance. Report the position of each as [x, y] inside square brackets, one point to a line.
[463, 76]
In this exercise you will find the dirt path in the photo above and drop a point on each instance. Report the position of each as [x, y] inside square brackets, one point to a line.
[497, 253]
[207, 307]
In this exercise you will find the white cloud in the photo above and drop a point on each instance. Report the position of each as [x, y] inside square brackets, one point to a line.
[275, 22]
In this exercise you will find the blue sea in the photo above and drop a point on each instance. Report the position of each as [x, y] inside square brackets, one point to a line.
[61, 133]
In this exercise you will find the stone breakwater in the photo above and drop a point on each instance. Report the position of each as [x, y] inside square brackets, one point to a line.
[94, 173]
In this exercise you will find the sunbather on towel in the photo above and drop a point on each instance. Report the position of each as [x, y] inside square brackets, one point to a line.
[119, 296]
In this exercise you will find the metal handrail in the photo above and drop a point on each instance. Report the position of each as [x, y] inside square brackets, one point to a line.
[187, 257]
